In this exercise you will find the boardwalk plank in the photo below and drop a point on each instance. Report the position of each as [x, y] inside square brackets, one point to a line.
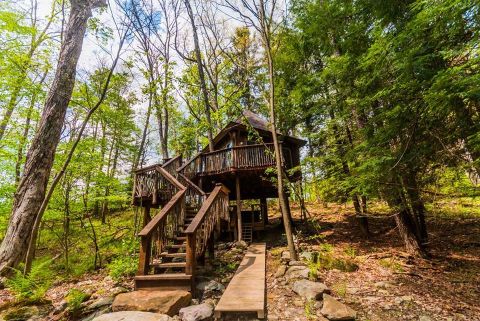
[246, 290]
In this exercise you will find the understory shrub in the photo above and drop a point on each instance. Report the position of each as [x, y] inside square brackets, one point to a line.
[123, 266]
[74, 299]
[33, 286]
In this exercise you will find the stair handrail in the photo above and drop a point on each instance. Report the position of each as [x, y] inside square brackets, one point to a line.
[204, 222]
[165, 222]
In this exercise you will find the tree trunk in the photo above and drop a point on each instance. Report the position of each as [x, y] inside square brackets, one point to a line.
[31, 190]
[277, 146]
[201, 75]
[405, 223]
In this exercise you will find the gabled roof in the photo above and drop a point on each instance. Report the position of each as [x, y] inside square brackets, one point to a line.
[258, 123]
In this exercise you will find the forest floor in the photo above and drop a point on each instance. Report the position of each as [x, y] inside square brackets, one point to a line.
[373, 276]
[388, 284]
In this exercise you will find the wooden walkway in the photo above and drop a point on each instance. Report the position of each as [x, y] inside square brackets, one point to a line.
[246, 290]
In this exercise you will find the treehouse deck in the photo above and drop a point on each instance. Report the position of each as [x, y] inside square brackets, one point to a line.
[246, 290]
[192, 201]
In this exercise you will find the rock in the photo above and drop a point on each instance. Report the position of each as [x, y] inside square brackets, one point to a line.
[285, 256]
[97, 313]
[424, 318]
[281, 271]
[296, 263]
[117, 290]
[297, 272]
[383, 285]
[164, 302]
[196, 312]
[320, 317]
[307, 256]
[133, 316]
[335, 310]
[100, 303]
[60, 307]
[21, 313]
[241, 245]
[309, 289]
[402, 299]
[210, 288]
[298, 303]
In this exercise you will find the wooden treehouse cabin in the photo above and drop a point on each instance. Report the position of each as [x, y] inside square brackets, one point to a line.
[200, 199]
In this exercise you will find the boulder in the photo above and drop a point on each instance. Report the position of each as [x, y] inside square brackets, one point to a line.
[196, 312]
[164, 302]
[100, 303]
[335, 310]
[210, 286]
[281, 271]
[133, 316]
[21, 313]
[285, 256]
[307, 256]
[241, 245]
[309, 289]
[297, 272]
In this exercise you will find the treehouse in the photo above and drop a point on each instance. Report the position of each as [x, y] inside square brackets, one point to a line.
[219, 192]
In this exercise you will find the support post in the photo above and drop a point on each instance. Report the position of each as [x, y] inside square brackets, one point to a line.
[264, 209]
[144, 255]
[191, 260]
[239, 207]
[146, 215]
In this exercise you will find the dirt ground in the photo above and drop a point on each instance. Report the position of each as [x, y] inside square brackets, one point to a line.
[388, 284]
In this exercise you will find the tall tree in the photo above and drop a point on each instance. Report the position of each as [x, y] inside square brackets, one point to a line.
[31, 190]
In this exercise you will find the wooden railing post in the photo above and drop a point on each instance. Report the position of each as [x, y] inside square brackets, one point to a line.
[191, 255]
[144, 255]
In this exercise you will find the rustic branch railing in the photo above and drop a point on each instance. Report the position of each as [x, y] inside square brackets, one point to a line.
[200, 229]
[251, 156]
[163, 226]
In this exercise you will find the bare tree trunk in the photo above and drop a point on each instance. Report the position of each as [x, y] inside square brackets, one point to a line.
[38, 217]
[31, 190]
[277, 146]
[201, 74]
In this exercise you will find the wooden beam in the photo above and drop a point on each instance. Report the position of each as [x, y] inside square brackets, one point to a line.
[191, 256]
[239, 207]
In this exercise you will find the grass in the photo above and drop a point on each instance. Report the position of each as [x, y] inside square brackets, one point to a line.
[392, 264]
[340, 289]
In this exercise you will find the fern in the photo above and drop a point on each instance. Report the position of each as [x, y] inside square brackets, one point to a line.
[33, 286]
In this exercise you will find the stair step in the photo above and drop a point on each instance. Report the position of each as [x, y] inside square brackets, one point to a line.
[166, 254]
[180, 238]
[170, 265]
[176, 246]
[164, 276]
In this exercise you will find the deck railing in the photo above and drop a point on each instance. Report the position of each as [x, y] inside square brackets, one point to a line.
[234, 158]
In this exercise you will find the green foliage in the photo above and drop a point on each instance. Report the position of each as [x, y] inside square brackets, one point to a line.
[123, 267]
[325, 259]
[74, 299]
[31, 287]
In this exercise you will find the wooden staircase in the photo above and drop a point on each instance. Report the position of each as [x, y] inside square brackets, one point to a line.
[173, 240]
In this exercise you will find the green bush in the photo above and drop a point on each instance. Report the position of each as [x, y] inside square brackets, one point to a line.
[74, 299]
[123, 267]
[33, 286]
